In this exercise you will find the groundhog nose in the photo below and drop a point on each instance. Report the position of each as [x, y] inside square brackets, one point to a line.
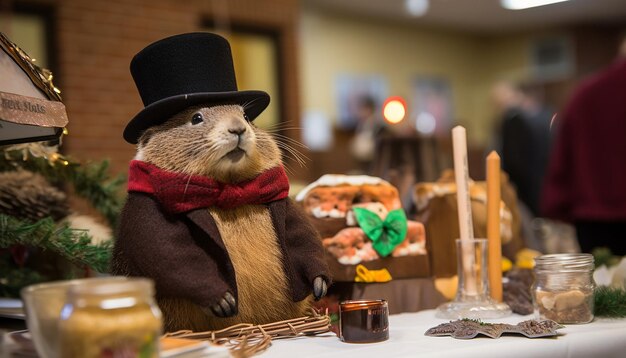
[236, 126]
[237, 130]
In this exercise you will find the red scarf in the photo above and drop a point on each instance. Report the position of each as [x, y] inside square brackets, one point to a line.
[179, 193]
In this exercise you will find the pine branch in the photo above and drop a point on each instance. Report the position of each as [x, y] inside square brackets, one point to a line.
[93, 183]
[610, 302]
[90, 181]
[73, 245]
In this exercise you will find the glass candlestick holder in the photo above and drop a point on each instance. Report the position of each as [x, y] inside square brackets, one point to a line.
[472, 295]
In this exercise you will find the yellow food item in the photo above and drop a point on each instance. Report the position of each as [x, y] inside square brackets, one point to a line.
[506, 264]
[525, 258]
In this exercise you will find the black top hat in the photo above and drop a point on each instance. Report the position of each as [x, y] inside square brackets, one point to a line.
[185, 70]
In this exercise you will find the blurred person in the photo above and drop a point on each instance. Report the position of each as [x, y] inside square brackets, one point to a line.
[368, 127]
[524, 139]
[586, 180]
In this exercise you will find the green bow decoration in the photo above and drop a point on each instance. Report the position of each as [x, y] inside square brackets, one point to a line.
[385, 235]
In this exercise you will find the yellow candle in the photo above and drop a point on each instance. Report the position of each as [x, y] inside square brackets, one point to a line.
[493, 226]
[466, 229]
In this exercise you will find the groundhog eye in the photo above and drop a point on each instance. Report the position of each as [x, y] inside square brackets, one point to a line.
[197, 118]
[245, 116]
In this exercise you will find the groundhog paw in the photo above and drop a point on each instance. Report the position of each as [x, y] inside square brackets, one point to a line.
[319, 287]
[226, 307]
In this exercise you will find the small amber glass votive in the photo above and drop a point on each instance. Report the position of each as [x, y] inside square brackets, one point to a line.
[364, 321]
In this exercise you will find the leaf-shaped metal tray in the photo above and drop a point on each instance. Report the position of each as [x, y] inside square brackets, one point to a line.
[469, 328]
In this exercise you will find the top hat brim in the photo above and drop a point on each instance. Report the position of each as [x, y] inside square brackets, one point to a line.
[254, 102]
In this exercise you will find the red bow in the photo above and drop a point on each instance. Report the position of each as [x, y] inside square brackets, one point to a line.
[179, 193]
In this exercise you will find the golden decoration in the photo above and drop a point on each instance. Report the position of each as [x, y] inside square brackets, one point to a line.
[38, 150]
[41, 77]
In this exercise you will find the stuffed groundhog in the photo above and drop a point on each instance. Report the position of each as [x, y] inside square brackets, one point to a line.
[207, 216]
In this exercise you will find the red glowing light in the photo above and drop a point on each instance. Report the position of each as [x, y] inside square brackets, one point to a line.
[394, 109]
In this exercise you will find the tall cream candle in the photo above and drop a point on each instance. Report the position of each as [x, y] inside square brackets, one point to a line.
[493, 226]
[466, 229]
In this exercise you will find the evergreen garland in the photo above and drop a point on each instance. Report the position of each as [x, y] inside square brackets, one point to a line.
[90, 181]
[71, 244]
[610, 302]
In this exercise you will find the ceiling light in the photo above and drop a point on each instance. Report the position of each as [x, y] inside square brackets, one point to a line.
[416, 7]
[525, 4]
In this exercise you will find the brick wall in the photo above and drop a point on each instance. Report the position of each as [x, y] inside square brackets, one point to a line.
[96, 39]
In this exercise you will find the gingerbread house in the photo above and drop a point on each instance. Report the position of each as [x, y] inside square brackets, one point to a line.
[361, 222]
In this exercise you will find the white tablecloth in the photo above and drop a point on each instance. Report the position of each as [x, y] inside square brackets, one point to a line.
[602, 338]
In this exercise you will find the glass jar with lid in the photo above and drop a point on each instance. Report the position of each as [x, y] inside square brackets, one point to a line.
[363, 321]
[110, 319]
[563, 288]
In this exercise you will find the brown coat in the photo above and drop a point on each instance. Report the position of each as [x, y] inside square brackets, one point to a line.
[186, 257]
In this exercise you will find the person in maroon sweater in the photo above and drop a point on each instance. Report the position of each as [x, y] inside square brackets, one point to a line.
[586, 181]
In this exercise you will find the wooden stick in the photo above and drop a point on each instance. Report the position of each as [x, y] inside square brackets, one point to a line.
[246, 339]
[493, 226]
[466, 228]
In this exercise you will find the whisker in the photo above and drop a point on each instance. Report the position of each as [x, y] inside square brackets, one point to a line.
[294, 155]
[291, 159]
[281, 126]
[245, 105]
[282, 129]
[289, 144]
[289, 170]
[290, 140]
[187, 185]
[292, 150]
[286, 144]
[281, 123]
